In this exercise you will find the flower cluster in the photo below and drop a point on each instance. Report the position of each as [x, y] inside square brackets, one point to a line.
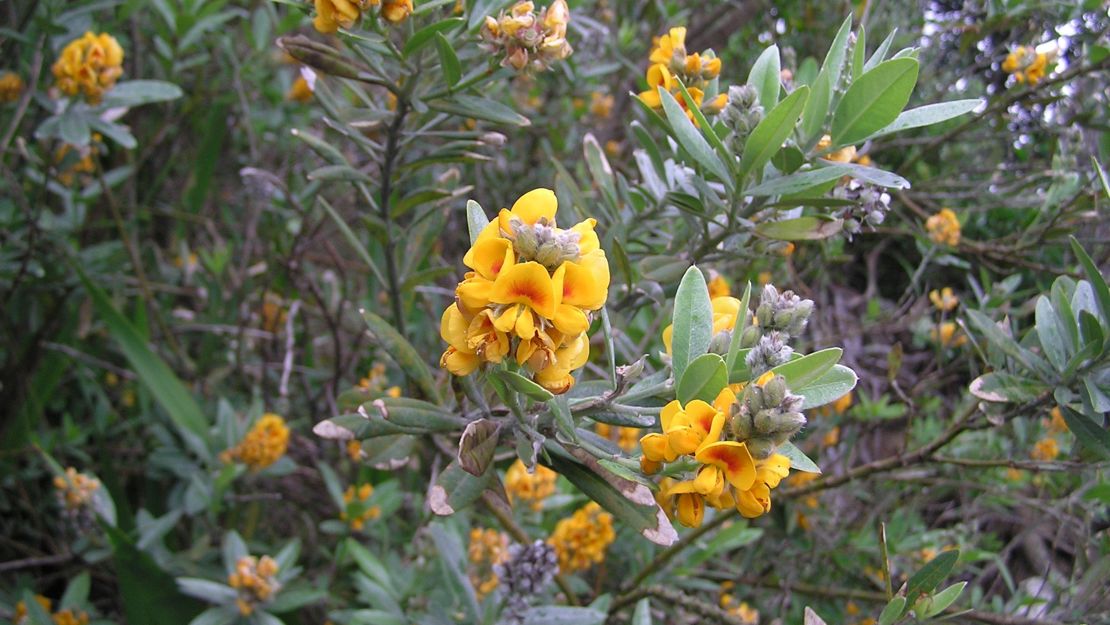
[944, 300]
[739, 609]
[670, 64]
[375, 383]
[11, 87]
[601, 105]
[357, 511]
[1027, 64]
[75, 163]
[869, 207]
[67, 616]
[331, 15]
[527, 39]
[89, 65]
[531, 291]
[488, 548]
[581, 541]
[76, 490]
[944, 228]
[531, 487]
[255, 580]
[526, 571]
[626, 437]
[263, 445]
[1047, 448]
[947, 334]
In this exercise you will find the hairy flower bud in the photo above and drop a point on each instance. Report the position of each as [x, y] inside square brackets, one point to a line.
[770, 352]
[785, 312]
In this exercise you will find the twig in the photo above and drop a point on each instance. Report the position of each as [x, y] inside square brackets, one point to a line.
[27, 563]
[675, 597]
[290, 343]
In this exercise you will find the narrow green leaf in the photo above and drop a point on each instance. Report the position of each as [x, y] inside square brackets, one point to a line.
[523, 385]
[1091, 435]
[480, 108]
[768, 136]
[834, 60]
[1094, 276]
[928, 115]
[136, 92]
[707, 131]
[642, 614]
[874, 100]
[945, 598]
[738, 327]
[353, 241]
[932, 574]
[420, 38]
[690, 139]
[448, 60]
[800, 181]
[799, 461]
[456, 489]
[800, 229]
[693, 321]
[816, 111]
[892, 611]
[703, 379]
[403, 353]
[1051, 334]
[764, 77]
[880, 53]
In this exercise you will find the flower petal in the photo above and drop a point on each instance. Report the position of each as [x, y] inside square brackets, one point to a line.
[535, 204]
[529, 284]
[733, 458]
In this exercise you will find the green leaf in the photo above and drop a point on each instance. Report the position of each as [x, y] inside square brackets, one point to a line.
[561, 615]
[448, 61]
[738, 327]
[928, 115]
[764, 77]
[1051, 335]
[816, 110]
[74, 129]
[456, 489]
[880, 53]
[800, 228]
[940, 601]
[834, 60]
[403, 353]
[413, 414]
[874, 100]
[480, 108]
[693, 321]
[836, 383]
[767, 137]
[523, 385]
[420, 38]
[932, 574]
[353, 241]
[892, 611]
[703, 379]
[599, 168]
[476, 219]
[77, 592]
[152, 371]
[707, 131]
[1102, 292]
[339, 172]
[800, 181]
[800, 372]
[1091, 435]
[118, 133]
[136, 92]
[799, 461]
[690, 139]
[998, 339]
[222, 615]
[999, 386]
[877, 176]
[147, 593]
[642, 614]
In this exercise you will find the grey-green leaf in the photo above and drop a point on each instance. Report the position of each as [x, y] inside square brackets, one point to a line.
[874, 100]
[693, 321]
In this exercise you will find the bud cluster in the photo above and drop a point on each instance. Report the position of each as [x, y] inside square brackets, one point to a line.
[741, 116]
[767, 416]
[872, 204]
[785, 312]
[769, 352]
[528, 39]
[544, 243]
[525, 574]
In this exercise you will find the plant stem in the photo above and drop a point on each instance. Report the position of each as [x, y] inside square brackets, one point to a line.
[383, 210]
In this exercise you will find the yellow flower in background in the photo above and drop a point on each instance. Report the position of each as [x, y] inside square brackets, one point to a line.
[530, 487]
[263, 445]
[846, 154]
[1057, 424]
[669, 65]
[601, 105]
[581, 540]
[358, 510]
[531, 292]
[627, 438]
[1029, 64]
[255, 581]
[488, 547]
[74, 163]
[526, 40]
[944, 228]
[738, 609]
[89, 65]
[300, 91]
[67, 616]
[944, 300]
[832, 437]
[396, 11]
[838, 407]
[76, 490]
[1045, 450]
[718, 286]
[947, 334]
[11, 87]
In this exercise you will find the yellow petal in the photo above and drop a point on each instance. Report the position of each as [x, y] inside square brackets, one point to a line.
[581, 286]
[529, 284]
[753, 502]
[457, 362]
[715, 430]
[525, 325]
[700, 416]
[535, 204]
[651, 98]
[655, 447]
[571, 320]
[587, 238]
[691, 509]
[668, 414]
[733, 459]
[668, 332]
[709, 481]
[684, 439]
[489, 256]
[452, 327]
[474, 293]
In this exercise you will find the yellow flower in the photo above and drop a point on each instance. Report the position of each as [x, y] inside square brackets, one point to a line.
[946, 335]
[1027, 64]
[274, 313]
[669, 47]
[944, 300]
[838, 407]
[530, 487]
[581, 541]
[832, 437]
[254, 580]
[756, 500]
[1046, 450]
[601, 105]
[685, 430]
[718, 287]
[845, 154]
[669, 65]
[76, 490]
[89, 65]
[487, 548]
[764, 277]
[74, 162]
[11, 87]
[533, 284]
[358, 511]
[331, 15]
[21, 608]
[627, 438]
[613, 148]
[300, 91]
[1057, 424]
[396, 11]
[527, 40]
[263, 445]
[944, 228]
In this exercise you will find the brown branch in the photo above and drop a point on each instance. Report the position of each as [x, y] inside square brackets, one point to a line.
[674, 597]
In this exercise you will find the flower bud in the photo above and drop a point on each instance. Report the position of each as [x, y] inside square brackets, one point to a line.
[750, 336]
[775, 391]
[761, 448]
[720, 342]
